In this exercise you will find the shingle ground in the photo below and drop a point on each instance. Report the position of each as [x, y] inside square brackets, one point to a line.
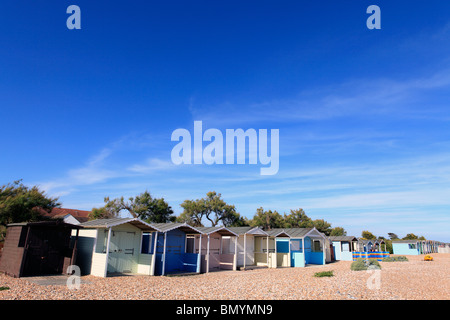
[416, 279]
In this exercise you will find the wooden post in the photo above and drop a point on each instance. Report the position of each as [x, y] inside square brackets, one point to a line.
[199, 258]
[276, 253]
[74, 251]
[289, 260]
[152, 272]
[164, 254]
[207, 255]
[107, 251]
[303, 250]
[235, 253]
[245, 249]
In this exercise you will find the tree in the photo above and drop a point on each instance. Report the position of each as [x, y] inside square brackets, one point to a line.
[421, 238]
[19, 203]
[212, 208]
[392, 236]
[368, 235]
[322, 226]
[267, 219]
[102, 213]
[411, 236]
[143, 206]
[297, 219]
[338, 231]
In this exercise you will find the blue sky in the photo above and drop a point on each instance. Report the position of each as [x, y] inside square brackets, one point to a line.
[363, 114]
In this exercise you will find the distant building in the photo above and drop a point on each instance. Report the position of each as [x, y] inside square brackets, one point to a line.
[71, 216]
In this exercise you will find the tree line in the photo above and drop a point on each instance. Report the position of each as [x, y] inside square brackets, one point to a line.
[19, 203]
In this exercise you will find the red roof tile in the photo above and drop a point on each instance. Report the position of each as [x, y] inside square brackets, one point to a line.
[80, 215]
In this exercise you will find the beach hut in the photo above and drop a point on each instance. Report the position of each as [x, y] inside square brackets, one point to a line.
[343, 247]
[377, 245]
[170, 252]
[130, 245]
[113, 246]
[213, 243]
[246, 246]
[328, 248]
[39, 248]
[415, 247]
[304, 246]
[266, 250]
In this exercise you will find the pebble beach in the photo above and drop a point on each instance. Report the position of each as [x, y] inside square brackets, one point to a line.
[412, 280]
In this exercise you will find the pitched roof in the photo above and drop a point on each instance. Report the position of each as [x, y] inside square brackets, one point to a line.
[277, 233]
[165, 227]
[297, 232]
[247, 230]
[80, 215]
[343, 238]
[112, 222]
[221, 230]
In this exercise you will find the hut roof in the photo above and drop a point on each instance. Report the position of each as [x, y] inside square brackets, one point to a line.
[248, 230]
[343, 238]
[112, 222]
[221, 230]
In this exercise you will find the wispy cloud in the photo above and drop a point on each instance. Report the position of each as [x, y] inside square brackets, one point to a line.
[357, 97]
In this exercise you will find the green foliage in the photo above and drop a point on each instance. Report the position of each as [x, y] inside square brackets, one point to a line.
[297, 219]
[213, 208]
[395, 259]
[143, 206]
[324, 274]
[323, 226]
[338, 231]
[102, 213]
[4, 288]
[364, 264]
[389, 247]
[392, 236]
[267, 219]
[368, 235]
[410, 236]
[19, 203]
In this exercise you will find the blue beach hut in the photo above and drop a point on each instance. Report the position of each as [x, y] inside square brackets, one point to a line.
[304, 246]
[167, 245]
[343, 247]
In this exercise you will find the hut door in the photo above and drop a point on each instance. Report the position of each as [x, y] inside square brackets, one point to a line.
[128, 254]
[43, 253]
[121, 253]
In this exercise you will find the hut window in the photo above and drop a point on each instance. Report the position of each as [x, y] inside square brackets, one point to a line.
[316, 246]
[146, 243]
[190, 244]
[345, 246]
[412, 246]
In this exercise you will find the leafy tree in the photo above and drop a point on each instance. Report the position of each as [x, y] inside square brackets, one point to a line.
[19, 203]
[410, 236]
[213, 208]
[338, 231]
[267, 219]
[323, 226]
[392, 236]
[368, 235]
[143, 206]
[297, 219]
[102, 213]
[421, 238]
